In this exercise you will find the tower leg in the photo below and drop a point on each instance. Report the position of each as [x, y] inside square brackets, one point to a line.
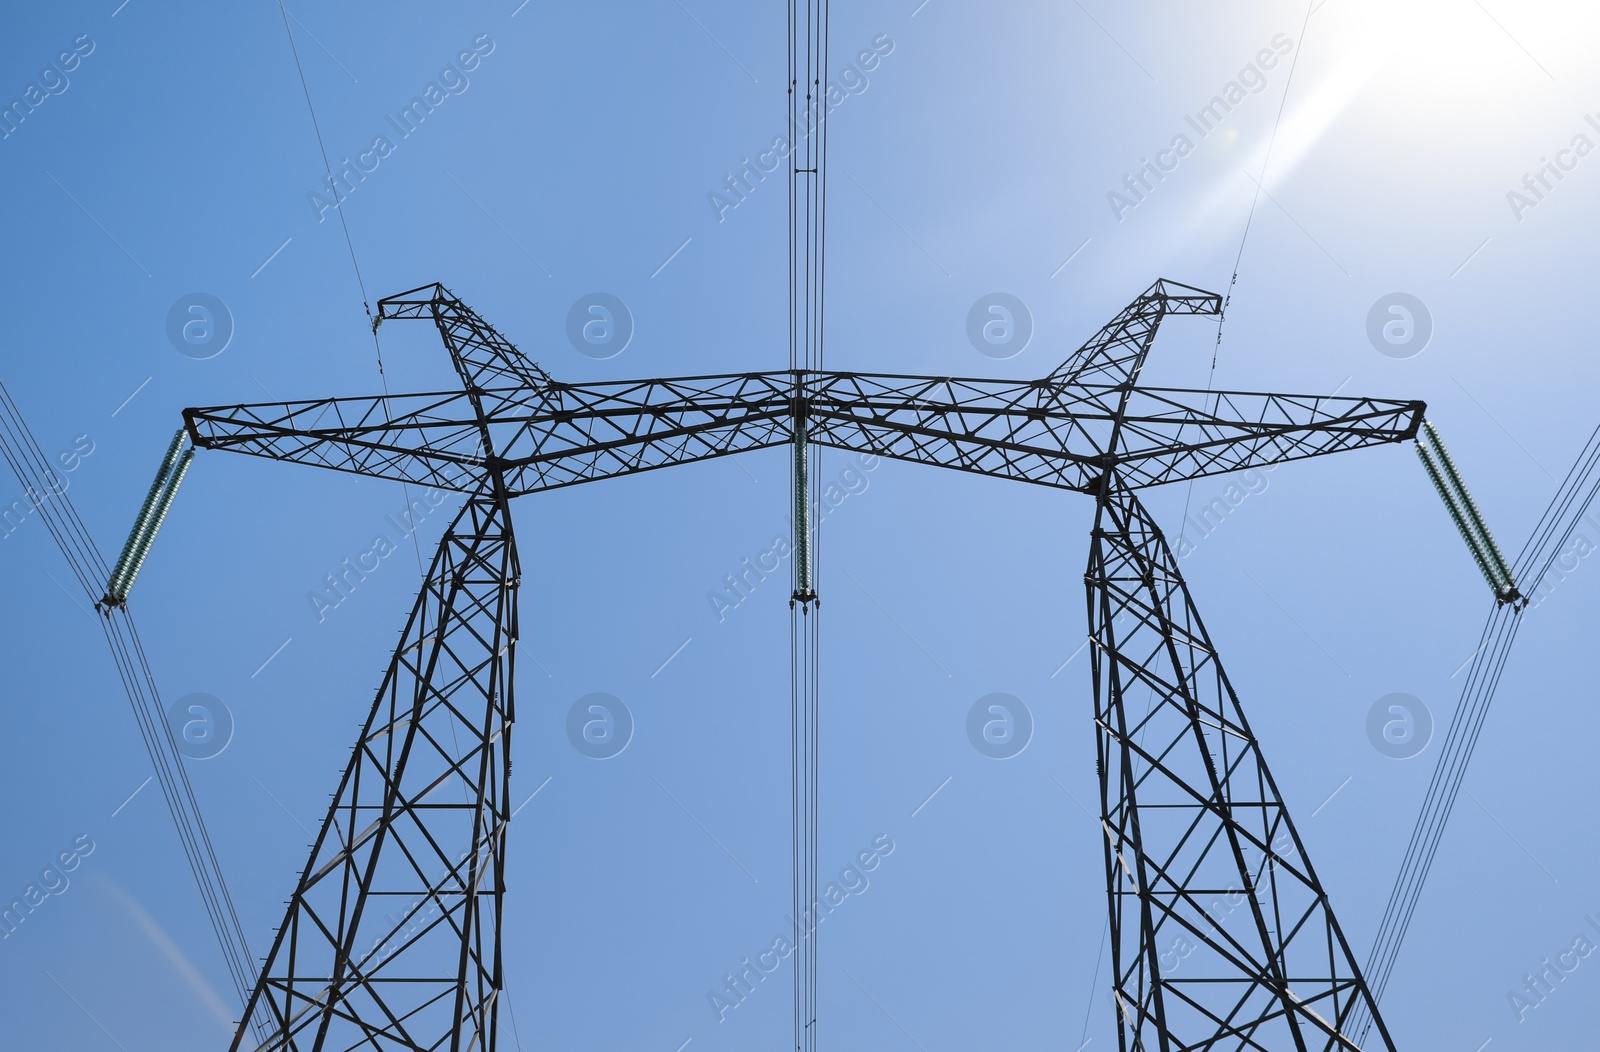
[392, 938]
[1221, 934]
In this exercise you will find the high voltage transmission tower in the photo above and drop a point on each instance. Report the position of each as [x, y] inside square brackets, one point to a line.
[392, 935]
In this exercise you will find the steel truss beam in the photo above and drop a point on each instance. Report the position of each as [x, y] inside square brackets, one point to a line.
[1190, 812]
[1063, 431]
[989, 427]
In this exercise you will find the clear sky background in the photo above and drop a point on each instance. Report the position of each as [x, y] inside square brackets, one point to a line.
[580, 158]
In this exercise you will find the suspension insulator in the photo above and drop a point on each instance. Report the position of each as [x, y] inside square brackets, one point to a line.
[1469, 521]
[142, 520]
[803, 592]
[1468, 504]
[1488, 571]
[148, 522]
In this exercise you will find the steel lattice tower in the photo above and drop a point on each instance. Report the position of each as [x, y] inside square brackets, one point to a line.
[392, 936]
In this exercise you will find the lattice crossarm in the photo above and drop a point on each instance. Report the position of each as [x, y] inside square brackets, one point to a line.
[428, 439]
[437, 440]
[623, 427]
[1174, 435]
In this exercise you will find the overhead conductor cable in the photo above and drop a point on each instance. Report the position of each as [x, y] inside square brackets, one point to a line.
[1549, 539]
[47, 493]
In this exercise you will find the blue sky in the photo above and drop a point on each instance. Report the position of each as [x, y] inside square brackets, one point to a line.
[580, 156]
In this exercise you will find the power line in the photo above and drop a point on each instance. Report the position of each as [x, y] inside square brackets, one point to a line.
[1255, 199]
[807, 124]
[1548, 539]
[327, 166]
[373, 322]
[1227, 295]
[22, 453]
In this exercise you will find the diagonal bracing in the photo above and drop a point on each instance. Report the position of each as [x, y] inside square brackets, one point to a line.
[1221, 935]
